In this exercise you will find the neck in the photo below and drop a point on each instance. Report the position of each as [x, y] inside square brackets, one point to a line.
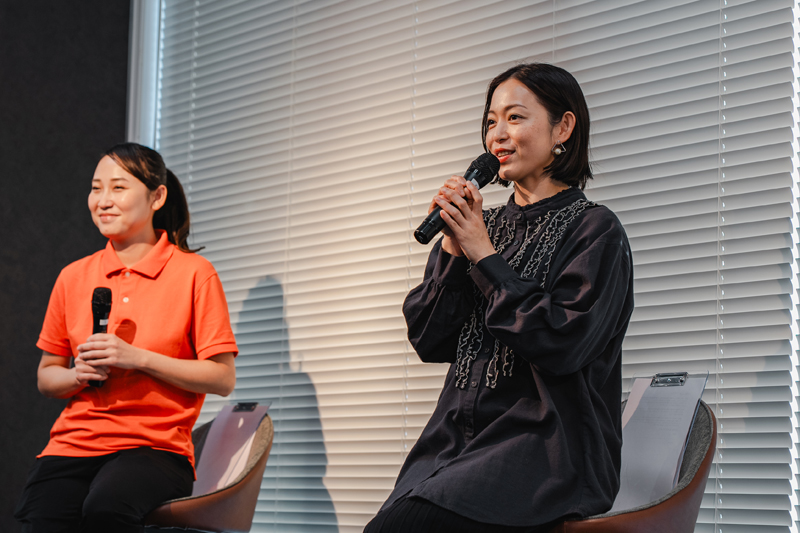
[527, 193]
[132, 250]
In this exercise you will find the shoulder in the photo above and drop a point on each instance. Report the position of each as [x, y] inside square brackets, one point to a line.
[598, 224]
[595, 233]
[77, 269]
[192, 265]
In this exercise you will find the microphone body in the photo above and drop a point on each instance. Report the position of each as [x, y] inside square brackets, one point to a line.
[480, 172]
[101, 308]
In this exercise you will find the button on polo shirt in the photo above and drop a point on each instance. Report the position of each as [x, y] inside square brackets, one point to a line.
[171, 303]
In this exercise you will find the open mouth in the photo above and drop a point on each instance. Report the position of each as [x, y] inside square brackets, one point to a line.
[503, 155]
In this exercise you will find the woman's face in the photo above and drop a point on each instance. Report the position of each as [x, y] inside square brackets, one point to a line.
[122, 206]
[519, 132]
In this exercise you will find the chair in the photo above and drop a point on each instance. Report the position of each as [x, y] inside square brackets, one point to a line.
[675, 512]
[231, 453]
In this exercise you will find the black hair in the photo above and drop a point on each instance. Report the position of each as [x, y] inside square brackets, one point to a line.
[558, 92]
[148, 166]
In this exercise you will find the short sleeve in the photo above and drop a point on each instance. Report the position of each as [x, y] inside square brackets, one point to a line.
[212, 325]
[54, 337]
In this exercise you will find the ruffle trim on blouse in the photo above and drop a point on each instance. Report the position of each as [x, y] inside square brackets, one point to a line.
[551, 226]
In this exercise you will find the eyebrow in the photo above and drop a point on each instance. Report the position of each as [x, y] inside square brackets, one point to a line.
[506, 108]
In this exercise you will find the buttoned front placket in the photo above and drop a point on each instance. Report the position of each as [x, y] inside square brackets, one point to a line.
[477, 381]
[470, 396]
[126, 282]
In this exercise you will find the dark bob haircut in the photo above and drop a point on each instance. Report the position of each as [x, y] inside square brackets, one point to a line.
[148, 166]
[558, 92]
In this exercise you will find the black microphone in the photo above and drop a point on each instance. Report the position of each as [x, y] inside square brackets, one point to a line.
[480, 172]
[101, 308]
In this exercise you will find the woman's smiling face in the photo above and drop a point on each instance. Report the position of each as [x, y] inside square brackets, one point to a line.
[122, 206]
[519, 132]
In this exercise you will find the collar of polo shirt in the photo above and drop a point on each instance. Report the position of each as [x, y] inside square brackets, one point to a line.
[149, 266]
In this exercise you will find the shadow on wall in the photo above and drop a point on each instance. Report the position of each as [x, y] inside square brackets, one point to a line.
[293, 496]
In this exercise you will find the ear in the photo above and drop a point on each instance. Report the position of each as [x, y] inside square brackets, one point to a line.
[563, 130]
[158, 197]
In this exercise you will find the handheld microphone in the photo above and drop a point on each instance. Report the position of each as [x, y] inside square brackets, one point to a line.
[101, 308]
[480, 172]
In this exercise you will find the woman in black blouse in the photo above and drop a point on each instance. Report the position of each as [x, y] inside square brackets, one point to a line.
[529, 303]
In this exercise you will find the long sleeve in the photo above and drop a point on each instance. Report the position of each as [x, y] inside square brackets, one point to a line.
[436, 309]
[561, 327]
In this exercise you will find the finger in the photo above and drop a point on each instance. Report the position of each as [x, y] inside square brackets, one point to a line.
[99, 362]
[455, 182]
[441, 193]
[90, 371]
[474, 191]
[86, 352]
[433, 205]
[92, 345]
[96, 337]
[87, 374]
[92, 358]
[457, 190]
[460, 202]
[453, 226]
[91, 377]
[476, 195]
[449, 209]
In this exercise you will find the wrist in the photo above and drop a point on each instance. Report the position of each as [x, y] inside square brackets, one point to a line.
[449, 245]
[144, 360]
[482, 252]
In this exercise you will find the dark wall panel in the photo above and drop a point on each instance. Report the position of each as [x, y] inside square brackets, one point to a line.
[63, 78]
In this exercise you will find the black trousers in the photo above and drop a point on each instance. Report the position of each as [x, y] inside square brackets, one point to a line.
[416, 515]
[109, 493]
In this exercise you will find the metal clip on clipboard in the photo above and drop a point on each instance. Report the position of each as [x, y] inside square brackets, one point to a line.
[669, 379]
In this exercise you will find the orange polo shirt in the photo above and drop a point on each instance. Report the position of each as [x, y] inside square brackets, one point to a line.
[170, 303]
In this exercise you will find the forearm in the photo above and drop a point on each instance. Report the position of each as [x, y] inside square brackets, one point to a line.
[56, 381]
[436, 309]
[209, 376]
[578, 315]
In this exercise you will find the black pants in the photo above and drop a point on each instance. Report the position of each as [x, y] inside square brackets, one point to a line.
[109, 493]
[415, 515]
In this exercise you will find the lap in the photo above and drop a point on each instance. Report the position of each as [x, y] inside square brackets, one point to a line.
[63, 492]
[416, 515]
[138, 481]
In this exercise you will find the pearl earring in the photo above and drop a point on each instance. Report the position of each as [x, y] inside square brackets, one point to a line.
[559, 148]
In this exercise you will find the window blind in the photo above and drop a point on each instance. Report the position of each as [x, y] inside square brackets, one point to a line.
[694, 141]
[311, 135]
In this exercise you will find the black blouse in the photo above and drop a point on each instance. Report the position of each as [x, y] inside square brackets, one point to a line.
[527, 428]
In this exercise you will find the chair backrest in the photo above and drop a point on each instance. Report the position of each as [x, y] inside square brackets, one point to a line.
[676, 511]
[226, 447]
[231, 472]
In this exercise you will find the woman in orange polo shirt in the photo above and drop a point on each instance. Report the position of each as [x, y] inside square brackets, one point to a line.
[118, 450]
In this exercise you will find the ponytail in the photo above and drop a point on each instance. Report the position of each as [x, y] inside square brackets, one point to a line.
[173, 217]
[148, 166]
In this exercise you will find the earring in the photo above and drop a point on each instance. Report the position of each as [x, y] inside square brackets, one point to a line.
[559, 148]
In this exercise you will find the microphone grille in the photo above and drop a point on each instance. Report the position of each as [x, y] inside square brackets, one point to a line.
[101, 296]
[487, 165]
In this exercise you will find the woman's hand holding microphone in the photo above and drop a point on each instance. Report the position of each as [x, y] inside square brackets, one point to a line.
[462, 210]
[104, 350]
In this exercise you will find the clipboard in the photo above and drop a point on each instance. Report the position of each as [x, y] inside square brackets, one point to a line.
[656, 423]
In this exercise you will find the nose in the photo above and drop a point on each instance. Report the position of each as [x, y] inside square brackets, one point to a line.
[104, 202]
[499, 133]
